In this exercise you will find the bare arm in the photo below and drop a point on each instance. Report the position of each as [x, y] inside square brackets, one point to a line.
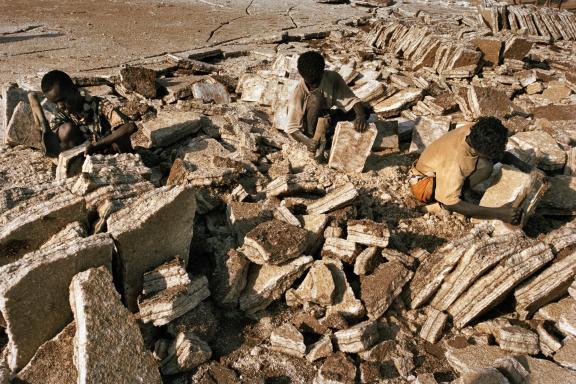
[506, 214]
[302, 138]
[360, 123]
[511, 159]
[122, 132]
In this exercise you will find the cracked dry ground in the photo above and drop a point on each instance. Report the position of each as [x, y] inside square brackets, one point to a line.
[246, 261]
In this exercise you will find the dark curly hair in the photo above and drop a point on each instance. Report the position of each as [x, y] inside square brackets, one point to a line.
[488, 137]
[52, 78]
[311, 66]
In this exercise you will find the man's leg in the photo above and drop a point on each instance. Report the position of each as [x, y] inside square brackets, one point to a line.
[70, 136]
[316, 108]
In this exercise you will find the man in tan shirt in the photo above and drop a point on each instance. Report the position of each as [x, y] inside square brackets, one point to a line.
[463, 158]
[311, 112]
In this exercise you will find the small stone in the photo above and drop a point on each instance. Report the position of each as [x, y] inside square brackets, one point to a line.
[367, 261]
[428, 130]
[380, 352]
[230, 275]
[358, 338]
[169, 127]
[162, 307]
[337, 369]
[139, 80]
[491, 47]
[556, 91]
[393, 105]
[567, 320]
[433, 328]
[484, 376]
[517, 48]
[512, 369]
[369, 233]
[21, 129]
[379, 289]
[70, 162]
[341, 249]
[519, 340]
[426, 378]
[566, 356]
[549, 344]
[287, 339]
[274, 242]
[284, 214]
[337, 198]
[534, 88]
[186, 352]
[320, 349]
[318, 287]
[543, 146]
[267, 283]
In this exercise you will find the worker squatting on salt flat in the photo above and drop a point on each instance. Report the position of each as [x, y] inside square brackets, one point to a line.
[80, 117]
[321, 99]
[458, 162]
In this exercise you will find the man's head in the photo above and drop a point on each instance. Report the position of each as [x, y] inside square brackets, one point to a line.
[61, 90]
[311, 68]
[488, 137]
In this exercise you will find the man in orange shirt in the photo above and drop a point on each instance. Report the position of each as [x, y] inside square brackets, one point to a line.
[463, 158]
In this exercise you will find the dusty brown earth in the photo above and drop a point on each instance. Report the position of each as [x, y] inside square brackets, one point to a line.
[86, 35]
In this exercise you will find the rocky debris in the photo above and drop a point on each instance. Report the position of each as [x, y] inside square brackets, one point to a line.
[168, 128]
[559, 197]
[168, 275]
[73, 231]
[338, 369]
[11, 95]
[553, 311]
[267, 283]
[115, 353]
[341, 249]
[540, 146]
[274, 242]
[99, 171]
[478, 259]
[477, 357]
[429, 277]
[205, 163]
[293, 184]
[433, 328]
[519, 340]
[381, 287]
[185, 353]
[516, 188]
[549, 285]
[27, 226]
[287, 339]
[337, 198]
[139, 80]
[350, 149]
[358, 338]
[203, 321]
[284, 214]
[427, 130]
[393, 105]
[230, 275]
[243, 217]
[317, 287]
[367, 232]
[367, 261]
[512, 369]
[486, 375]
[549, 344]
[567, 320]
[181, 295]
[565, 355]
[70, 162]
[345, 304]
[40, 280]
[21, 129]
[141, 240]
[320, 349]
[53, 363]
[501, 280]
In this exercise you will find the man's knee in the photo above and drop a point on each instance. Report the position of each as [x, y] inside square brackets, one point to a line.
[69, 135]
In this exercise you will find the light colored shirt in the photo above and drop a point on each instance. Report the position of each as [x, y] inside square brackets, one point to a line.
[451, 160]
[334, 89]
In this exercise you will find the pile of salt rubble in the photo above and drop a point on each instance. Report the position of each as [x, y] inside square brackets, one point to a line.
[126, 268]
